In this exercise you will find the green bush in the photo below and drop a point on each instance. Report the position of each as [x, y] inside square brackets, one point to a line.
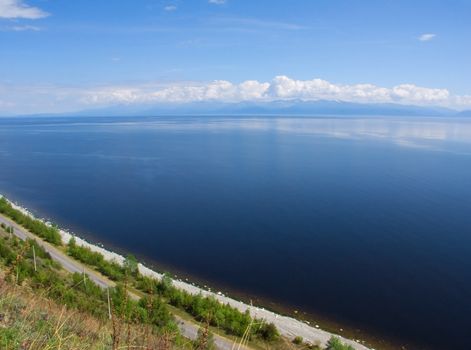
[206, 309]
[157, 312]
[268, 332]
[39, 228]
[335, 344]
[84, 254]
[6, 253]
[298, 340]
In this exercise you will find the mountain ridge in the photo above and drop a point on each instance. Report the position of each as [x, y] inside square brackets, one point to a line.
[272, 108]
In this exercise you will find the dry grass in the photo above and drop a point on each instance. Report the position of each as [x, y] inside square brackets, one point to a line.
[31, 322]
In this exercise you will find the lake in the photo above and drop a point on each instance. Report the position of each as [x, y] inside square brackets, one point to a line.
[362, 223]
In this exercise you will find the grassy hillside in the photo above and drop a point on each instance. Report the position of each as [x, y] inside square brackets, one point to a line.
[48, 308]
[31, 321]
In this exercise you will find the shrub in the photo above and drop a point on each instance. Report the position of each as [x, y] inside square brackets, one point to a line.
[6, 253]
[130, 265]
[84, 254]
[268, 332]
[335, 344]
[39, 228]
[298, 340]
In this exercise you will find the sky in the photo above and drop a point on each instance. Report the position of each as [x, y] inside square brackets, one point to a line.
[58, 55]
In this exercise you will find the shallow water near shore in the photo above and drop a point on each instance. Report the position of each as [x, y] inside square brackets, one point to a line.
[365, 221]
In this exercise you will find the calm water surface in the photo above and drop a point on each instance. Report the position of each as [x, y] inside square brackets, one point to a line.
[364, 221]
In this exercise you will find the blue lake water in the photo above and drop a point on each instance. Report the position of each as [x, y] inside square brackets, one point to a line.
[362, 221]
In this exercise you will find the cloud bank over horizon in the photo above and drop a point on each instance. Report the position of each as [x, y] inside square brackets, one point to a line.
[280, 88]
[49, 98]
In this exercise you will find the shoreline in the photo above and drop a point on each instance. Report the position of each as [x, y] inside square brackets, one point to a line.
[287, 326]
[345, 330]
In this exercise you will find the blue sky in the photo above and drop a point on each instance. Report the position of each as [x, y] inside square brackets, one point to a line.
[58, 55]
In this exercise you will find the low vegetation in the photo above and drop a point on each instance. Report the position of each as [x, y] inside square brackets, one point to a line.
[28, 321]
[336, 344]
[48, 233]
[122, 316]
[110, 269]
[31, 321]
[204, 309]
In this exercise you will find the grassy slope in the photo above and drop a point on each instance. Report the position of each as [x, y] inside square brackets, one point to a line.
[31, 321]
[52, 309]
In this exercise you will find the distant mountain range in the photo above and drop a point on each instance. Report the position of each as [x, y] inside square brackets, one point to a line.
[275, 108]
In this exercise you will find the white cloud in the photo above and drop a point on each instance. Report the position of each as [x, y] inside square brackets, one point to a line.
[417, 94]
[280, 88]
[170, 8]
[463, 101]
[254, 23]
[18, 9]
[427, 37]
[21, 28]
[317, 89]
[217, 2]
[49, 98]
[253, 90]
